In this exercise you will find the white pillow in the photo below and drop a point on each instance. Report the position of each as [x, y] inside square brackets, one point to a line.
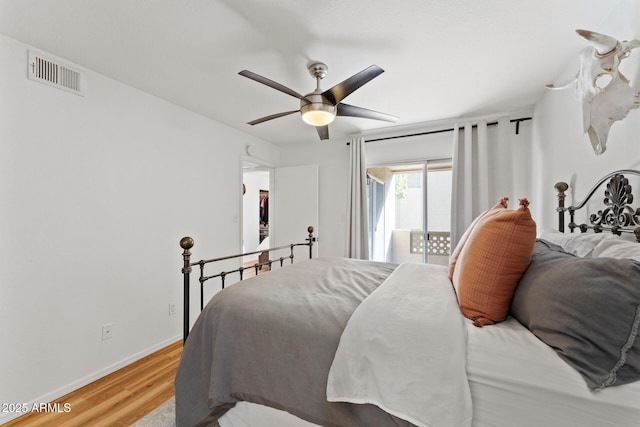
[579, 244]
[617, 248]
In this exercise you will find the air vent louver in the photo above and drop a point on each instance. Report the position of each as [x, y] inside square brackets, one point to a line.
[54, 72]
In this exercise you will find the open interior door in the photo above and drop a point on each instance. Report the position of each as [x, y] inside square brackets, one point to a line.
[295, 206]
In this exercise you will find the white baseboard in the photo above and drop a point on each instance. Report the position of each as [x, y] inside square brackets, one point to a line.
[58, 393]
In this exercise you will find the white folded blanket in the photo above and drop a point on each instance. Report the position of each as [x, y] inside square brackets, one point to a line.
[404, 350]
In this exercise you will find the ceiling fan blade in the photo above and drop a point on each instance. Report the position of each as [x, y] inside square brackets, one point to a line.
[270, 83]
[323, 132]
[347, 87]
[271, 117]
[353, 111]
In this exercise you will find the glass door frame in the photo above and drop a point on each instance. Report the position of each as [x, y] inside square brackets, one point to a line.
[419, 164]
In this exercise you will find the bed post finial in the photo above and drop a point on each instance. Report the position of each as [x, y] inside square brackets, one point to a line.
[310, 231]
[186, 243]
[561, 187]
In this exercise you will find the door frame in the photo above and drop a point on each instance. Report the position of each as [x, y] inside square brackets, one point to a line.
[256, 165]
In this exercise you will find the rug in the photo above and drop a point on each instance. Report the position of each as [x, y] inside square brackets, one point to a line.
[163, 416]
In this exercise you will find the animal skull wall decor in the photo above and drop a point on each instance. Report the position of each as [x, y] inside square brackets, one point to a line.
[604, 91]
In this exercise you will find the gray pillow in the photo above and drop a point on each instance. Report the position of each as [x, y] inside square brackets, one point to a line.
[586, 309]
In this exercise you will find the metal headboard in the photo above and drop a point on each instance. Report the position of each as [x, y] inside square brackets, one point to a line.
[618, 216]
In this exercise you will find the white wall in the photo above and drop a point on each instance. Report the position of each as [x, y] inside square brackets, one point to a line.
[96, 192]
[562, 152]
[409, 149]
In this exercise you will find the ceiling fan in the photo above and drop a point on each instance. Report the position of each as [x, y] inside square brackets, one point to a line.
[319, 108]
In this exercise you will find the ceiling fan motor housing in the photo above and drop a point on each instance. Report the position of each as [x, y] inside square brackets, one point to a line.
[317, 110]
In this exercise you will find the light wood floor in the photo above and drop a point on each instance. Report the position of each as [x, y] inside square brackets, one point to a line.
[119, 399]
[251, 271]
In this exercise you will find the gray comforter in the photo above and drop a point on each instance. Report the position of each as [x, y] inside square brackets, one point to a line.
[271, 340]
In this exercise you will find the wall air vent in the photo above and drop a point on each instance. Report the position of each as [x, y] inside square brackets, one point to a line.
[54, 72]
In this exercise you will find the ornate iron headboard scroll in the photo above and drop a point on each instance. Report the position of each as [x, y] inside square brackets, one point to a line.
[617, 216]
[186, 243]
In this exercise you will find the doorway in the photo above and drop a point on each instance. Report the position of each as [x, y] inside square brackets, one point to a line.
[256, 207]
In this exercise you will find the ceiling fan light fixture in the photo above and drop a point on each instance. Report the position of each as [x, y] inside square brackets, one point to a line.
[319, 108]
[318, 114]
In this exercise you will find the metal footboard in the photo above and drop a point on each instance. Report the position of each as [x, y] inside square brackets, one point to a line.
[186, 243]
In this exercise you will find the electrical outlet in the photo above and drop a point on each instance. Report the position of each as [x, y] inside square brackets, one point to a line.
[172, 309]
[107, 331]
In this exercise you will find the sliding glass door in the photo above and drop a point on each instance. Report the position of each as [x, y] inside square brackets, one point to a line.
[410, 204]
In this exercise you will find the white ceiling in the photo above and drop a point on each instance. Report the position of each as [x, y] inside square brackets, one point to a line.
[442, 59]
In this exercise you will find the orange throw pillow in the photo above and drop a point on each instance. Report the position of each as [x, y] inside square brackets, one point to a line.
[493, 257]
[453, 258]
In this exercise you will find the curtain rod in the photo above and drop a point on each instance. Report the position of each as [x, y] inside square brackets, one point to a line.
[516, 121]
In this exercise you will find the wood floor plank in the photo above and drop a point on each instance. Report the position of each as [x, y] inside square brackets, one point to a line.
[118, 399]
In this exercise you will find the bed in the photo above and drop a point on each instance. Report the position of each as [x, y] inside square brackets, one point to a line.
[345, 342]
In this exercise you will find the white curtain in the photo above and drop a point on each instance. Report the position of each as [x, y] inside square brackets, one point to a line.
[357, 219]
[483, 172]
